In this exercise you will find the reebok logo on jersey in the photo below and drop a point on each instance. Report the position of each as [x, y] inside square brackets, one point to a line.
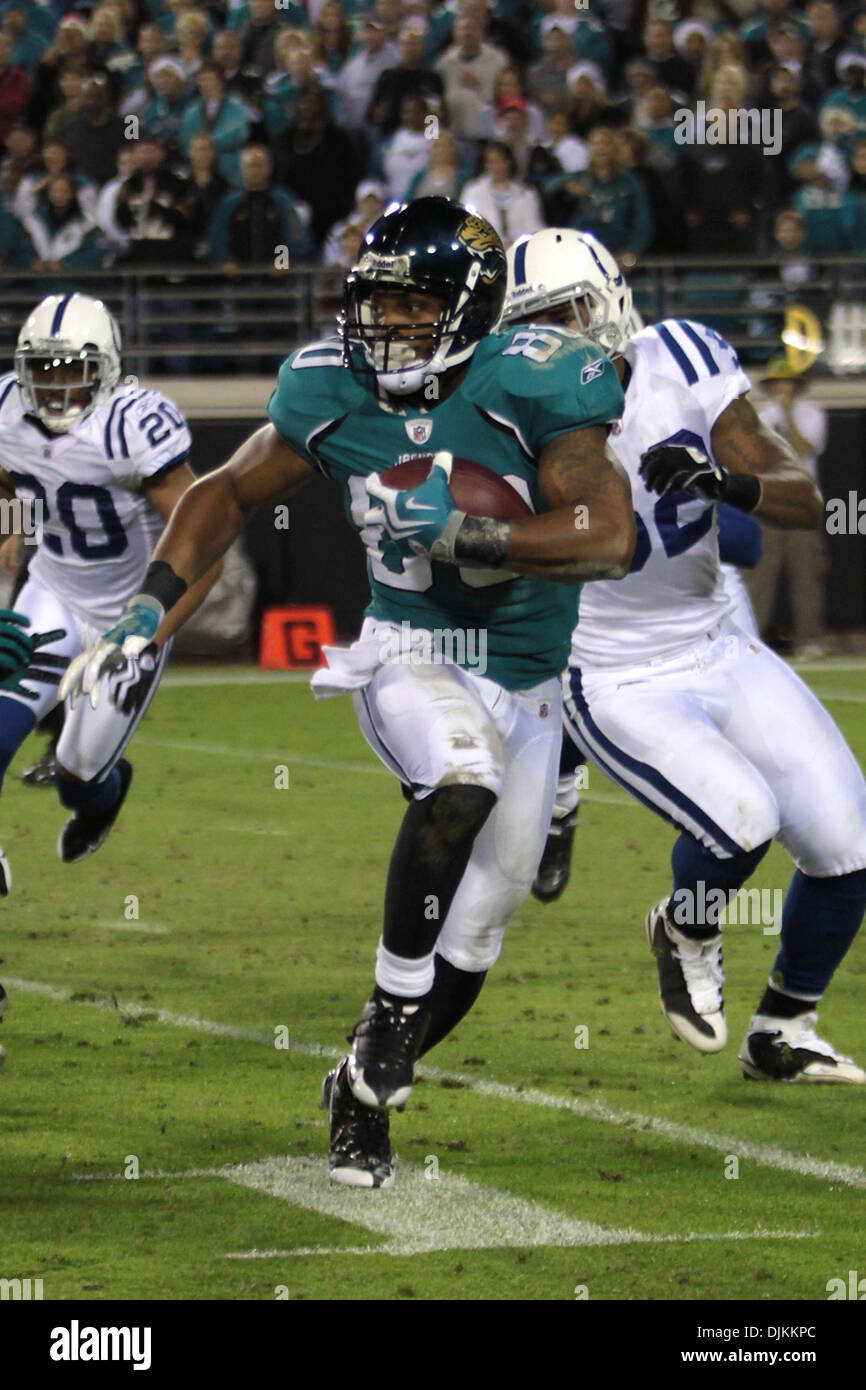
[591, 371]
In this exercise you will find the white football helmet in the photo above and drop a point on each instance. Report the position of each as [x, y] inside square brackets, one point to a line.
[67, 361]
[560, 266]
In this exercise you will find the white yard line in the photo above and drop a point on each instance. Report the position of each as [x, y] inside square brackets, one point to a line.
[422, 1214]
[289, 759]
[148, 928]
[768, 1155]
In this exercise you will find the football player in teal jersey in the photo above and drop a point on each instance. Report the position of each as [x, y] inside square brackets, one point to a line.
[455, 674]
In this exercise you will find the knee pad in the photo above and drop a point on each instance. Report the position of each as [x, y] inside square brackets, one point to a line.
[457, 812]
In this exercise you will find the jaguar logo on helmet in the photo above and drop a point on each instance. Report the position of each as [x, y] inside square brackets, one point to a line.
[478, 235]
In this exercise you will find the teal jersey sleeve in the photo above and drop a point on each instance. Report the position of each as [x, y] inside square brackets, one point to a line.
[547, 381]
[313, 396]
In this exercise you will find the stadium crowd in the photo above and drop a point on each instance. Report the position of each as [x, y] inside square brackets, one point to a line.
[140, 132]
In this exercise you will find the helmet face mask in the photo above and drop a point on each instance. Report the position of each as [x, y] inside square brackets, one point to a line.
[447, 260]
[555, 268]
[67, 362]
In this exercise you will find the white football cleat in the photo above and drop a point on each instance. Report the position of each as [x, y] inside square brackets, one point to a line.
[789, 1049]
[5, 881]
[690, 982]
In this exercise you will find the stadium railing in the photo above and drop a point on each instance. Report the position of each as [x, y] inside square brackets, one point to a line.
[200, 321]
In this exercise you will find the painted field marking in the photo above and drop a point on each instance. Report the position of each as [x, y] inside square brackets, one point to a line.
[148, 928]
[225, 750]
[421, 1215]
[768, 1155]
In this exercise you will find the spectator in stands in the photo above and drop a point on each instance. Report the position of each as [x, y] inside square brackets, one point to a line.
[724, 185]
[63, 237]
[224, 118]
[856, 212]
[358, 78]
[547, 79]
[798, 124]
[514, 132]
[115, 239]
[30, 29]
[333, 36]
[56, 161]
[497, 30]
[639, 157]
[725, 48]
[590, 104]
[671, 68]
[789, 49]
[106, 36]
[795, 556]
[165, 115]
[209, 188]
[16, 248]
[15, 88]
[317, 160]
[192, 36]
[640, 80]
[828, 40]
[509, 88]
[609, 201]
[96, 132]
[658, 122]
[558, 151]
[259, 36]
[754, 30]
[138, 92]
[851, 94]
[154, 207]
[469, 69]
[68, 50]
[445, 174]
[590, 40]
[21, 158]
[510, 206]
[822, 200]
[408, 78]
[296, 68]
[71, 86]
[692, 41]
[228, 53]
[370, 203]
[402, 156]
[248, 226]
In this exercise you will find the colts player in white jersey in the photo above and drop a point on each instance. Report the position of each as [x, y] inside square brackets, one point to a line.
[678, 704]
[104, 464]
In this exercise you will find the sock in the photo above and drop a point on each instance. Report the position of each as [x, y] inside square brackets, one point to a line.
[400, 979]
[820, 919]
[16, 721]
[702, 884]
[428, 862]
[92, 798]
[780, 1005]
[453, 994]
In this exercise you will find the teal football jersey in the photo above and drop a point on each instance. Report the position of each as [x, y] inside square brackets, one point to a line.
[522, 388]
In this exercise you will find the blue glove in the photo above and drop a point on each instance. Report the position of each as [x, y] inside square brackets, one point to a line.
[415, 517]
[133, 631]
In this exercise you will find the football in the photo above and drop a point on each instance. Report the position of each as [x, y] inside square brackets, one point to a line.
[475, 489]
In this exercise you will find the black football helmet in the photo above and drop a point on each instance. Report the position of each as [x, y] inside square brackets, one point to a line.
[435, 247]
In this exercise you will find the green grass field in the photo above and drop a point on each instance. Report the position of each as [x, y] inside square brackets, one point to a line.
[529, 1168]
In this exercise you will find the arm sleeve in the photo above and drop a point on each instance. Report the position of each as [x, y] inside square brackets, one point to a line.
[741, 540]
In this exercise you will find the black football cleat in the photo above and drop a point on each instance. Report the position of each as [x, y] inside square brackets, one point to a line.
[41, 774]
[789, 1049]
[360, 1151]
[5, 879]
[82, 834]
[385, 1045]
[554, 871]
[4, 1004]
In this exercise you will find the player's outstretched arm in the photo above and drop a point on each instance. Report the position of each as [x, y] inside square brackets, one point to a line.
[165, 494]
[743, 444]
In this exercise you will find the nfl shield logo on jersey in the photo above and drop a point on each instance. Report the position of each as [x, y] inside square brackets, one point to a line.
[419, 431]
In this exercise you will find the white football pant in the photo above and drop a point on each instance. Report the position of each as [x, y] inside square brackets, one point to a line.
[92, 739]
[725, 741]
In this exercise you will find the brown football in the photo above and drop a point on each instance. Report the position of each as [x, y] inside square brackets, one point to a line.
[475, 489]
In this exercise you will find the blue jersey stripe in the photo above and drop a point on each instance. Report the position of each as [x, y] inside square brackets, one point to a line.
[677, 353]
[121, 423]
[712, 364]
[58, 314]
[108, 449]
[520, 263]
[9, 386]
